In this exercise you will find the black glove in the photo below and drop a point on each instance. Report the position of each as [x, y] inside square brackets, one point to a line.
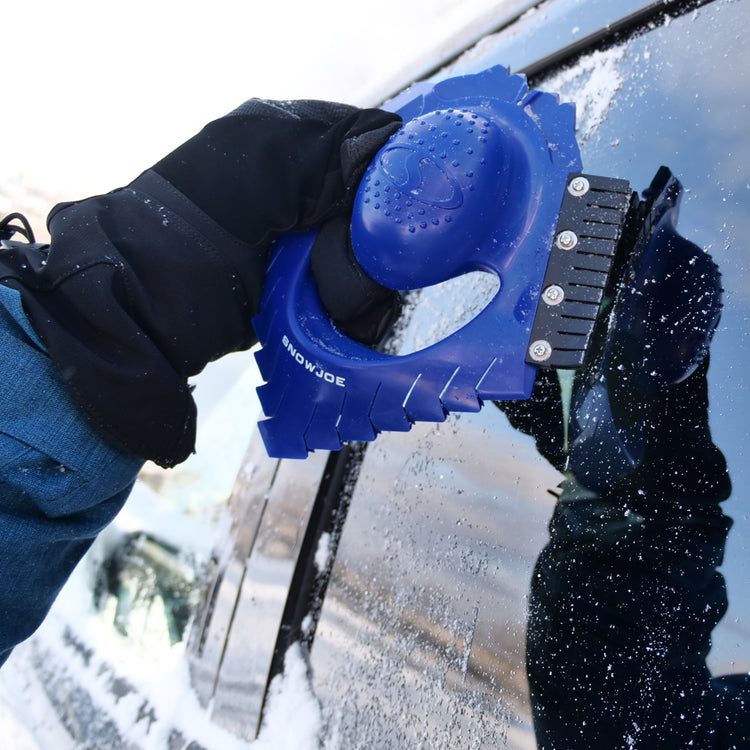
[272, 167]
[289, 159]
[142, 287]
[363, 309]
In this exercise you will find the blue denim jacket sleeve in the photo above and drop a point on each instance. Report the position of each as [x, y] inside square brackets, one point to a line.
[60, 483]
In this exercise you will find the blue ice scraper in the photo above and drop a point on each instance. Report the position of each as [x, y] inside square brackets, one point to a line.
[485, 174]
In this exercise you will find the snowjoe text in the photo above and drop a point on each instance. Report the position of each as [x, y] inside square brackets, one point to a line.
[329, 377]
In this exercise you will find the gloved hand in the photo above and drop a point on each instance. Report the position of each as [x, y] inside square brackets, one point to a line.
[271, 167]
[309, 182]
[359, 306]
[142, 287]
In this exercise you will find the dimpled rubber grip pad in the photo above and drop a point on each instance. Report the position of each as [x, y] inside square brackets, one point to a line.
[407, 227]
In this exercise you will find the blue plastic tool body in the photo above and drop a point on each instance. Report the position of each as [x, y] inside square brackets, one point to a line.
[472, 181]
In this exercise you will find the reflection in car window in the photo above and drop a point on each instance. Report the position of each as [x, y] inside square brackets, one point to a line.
[626, 594]
[680, 104]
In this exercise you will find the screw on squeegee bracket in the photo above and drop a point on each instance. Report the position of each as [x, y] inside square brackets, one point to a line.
[582, 255]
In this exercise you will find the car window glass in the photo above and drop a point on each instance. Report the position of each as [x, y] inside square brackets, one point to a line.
[671, 97]
[422, 635]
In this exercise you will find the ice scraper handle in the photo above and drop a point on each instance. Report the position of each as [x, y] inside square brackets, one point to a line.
[474, 180]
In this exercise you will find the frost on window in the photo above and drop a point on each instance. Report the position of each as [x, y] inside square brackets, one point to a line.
[436, 312]
[592, 84]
